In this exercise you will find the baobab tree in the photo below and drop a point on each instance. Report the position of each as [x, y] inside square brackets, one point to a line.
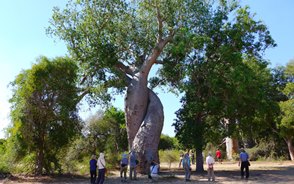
[116, 43]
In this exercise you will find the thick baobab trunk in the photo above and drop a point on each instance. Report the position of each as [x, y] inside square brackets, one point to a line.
[290, 148]
[144, 116]
[136, 102]
[147, 138]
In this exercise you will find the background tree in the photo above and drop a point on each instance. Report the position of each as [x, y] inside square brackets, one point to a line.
[44, 111]
[286, 122]
[226, 78]
[103, 132]
[168, 143]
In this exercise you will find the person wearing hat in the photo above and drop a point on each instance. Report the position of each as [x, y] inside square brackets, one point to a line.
[124, 167]
[210, 162]
[244, 161]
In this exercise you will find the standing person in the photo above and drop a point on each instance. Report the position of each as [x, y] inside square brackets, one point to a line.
[124, 167]
[244, 160]
[93, 169]
[218, 155]
[133, 165]
[187, 166]
[210, 170]
[101, 169]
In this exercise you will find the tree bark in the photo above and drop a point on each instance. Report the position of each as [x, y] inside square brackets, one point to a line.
[148, 136]
[290, 148]
[136, 102]
[144, 119]
[199, 160]
[39, 165]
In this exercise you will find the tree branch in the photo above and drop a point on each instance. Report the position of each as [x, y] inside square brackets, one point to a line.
[160, 25]
[126, 69]
[84, 93]
[159, 62]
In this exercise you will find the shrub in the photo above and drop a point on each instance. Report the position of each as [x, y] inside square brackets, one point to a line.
[169, 156]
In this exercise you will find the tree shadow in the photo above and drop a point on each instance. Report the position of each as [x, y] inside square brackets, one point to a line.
[271, 175]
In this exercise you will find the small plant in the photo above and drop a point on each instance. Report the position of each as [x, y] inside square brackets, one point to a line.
[169, 156]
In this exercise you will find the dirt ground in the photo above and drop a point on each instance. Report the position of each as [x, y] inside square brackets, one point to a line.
[226, 173]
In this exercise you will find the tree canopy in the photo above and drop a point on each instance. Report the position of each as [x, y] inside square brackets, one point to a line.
[286, 123]
[44, 110]
[223, 77]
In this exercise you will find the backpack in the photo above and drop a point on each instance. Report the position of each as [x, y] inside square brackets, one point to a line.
[124, 162]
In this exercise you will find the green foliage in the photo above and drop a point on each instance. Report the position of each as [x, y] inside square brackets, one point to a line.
[169, 156]
[225, 79]
[268, 150]
[103, 132]
[167, 143]
[286, 124]
[26, 165]
[4, 164]
[44, 111]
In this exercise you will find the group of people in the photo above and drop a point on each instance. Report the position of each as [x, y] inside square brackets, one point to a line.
[133, 162]
[126, 160]
[185, 161]
[243, 162]
[100, 164]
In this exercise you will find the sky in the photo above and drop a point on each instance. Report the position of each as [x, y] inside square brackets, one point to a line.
[23, 39]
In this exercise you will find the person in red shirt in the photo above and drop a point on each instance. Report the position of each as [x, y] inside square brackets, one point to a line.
[218, 155]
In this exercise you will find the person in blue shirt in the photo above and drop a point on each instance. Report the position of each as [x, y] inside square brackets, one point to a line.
[133, 165]
[93, 169]
[186, 162]
[124, 167]
[244, 162]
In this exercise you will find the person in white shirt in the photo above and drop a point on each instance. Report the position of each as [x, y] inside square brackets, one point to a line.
[210, 162]
[101, 169]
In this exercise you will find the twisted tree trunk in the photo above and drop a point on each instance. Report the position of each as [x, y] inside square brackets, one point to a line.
[144, 118]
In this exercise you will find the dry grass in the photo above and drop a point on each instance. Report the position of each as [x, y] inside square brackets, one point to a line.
[226, 173]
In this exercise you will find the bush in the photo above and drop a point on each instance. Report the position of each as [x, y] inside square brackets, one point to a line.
[26, 165]
[169, 156]
[265, 150]
[168, 143]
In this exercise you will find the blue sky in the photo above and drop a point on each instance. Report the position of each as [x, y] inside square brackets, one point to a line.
[23, 39]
